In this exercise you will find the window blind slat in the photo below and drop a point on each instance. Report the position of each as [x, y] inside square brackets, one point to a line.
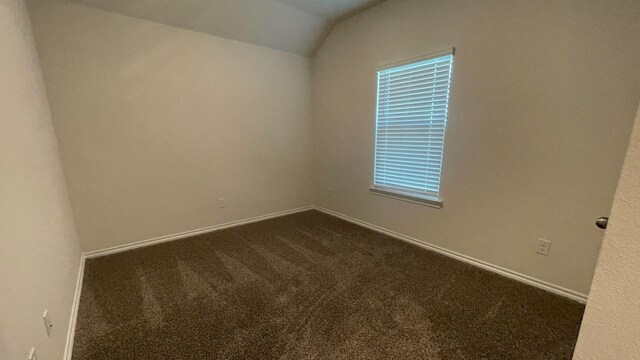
[424, 115]
[400, 161]
[416, 109]
[402, 174]
[420, 138]
[410, 180]
[433, 93]
[414, 144]
[428, 120]
[427, 67]
[426, 80]
[409, 130]
[435, 86]
[408, 164]
[426, 73]
[411, 95]
[413, 105]
[434, 160]
[419, 113]
[413, 156]
[413, 122]
[428, 183]
[407, 68]
[412, 173]
[395, 100]
[403, 104]
[410, 125]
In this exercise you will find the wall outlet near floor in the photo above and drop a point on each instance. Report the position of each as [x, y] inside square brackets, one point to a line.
[32, 354]
[48, 325]
[543, 247]
[221, 204]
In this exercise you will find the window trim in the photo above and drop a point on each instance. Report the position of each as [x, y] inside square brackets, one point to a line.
[395, 193]
[406, 196]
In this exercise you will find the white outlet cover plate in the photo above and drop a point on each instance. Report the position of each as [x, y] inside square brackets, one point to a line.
[544, 246]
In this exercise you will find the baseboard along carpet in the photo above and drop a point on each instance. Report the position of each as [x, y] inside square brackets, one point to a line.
[311, 286]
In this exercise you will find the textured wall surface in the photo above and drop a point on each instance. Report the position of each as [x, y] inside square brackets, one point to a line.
[611, 324]
[543, 97]
[156, 123]
[39, 250]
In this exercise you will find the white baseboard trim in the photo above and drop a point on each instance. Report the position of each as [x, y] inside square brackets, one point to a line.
[71, 331]
[559, 290]
[186, 234]
[68, 350]
[574, 295]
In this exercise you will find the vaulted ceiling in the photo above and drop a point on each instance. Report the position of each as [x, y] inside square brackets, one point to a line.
[296, 26]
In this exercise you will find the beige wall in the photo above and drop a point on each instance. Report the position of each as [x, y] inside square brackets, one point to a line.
[156, 123]
[39, 250]
[542, 102]
[611, 325]
[269, 23]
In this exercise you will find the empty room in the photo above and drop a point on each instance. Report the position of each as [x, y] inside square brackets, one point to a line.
[319, 179]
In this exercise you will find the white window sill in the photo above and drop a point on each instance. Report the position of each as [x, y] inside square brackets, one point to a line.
[405, 196]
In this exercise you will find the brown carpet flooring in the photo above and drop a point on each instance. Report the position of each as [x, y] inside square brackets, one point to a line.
[311, 286]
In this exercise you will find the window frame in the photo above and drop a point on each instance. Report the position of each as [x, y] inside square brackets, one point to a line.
[406, 194]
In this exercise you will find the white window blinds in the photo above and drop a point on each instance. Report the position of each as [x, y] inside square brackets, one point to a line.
[410, 125]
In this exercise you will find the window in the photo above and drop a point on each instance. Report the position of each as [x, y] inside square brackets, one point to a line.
[411, 118]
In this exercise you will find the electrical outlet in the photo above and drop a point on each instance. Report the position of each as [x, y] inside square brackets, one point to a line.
[48, 325]
[543, 247]
[221, 204]
[32, 354]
